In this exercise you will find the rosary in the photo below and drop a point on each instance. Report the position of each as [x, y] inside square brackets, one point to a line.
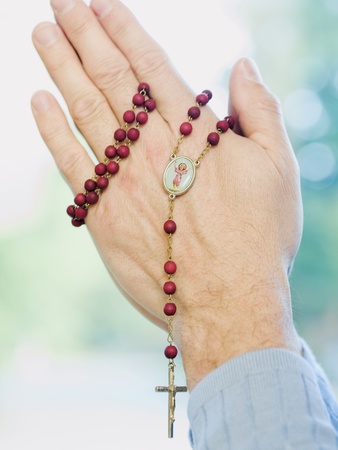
[178, 177]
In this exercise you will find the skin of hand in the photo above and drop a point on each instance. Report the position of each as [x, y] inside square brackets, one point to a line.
[238, 228]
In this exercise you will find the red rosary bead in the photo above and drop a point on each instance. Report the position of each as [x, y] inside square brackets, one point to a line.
[113, 167]
[171, 352]
[142, 117]
[102, 183]
[150, 104]
[80, 199]
[186, 128]
[170, 267]
[138, 99]
[169, 287]
[207, 93]
[133, 134]
[120, 134]
[213, 138]
[110, 151]
[194, 112]
[202, 99]
[169, 309]
[144, 87]
[80, 213]
[92, 198]
[71, 211]
[231, 121]
[169, 226]
[123, 151]
[129, 116]
[90, 185]
[100, 169]
[222, 125]
[77, 223]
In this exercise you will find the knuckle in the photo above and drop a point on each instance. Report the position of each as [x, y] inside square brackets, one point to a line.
[68, 159]
[81, 27]
[58, 63]
[151, 61]
[107, 74]
[270, 103]
[85, 108]
[70, 164]
[51, 132]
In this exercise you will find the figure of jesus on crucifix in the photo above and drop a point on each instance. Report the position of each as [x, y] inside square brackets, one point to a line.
[172, 390]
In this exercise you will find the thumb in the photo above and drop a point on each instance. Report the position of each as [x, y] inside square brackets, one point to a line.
[257, 110]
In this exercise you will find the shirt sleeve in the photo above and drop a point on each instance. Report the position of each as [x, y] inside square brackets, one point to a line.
[323, 385]
[265, 400]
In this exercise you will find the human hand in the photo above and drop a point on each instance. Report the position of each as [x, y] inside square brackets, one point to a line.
[239, 227]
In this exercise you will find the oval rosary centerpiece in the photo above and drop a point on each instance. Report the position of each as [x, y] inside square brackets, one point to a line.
[179, 175]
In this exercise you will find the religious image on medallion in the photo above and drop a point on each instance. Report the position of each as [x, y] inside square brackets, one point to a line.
[179, 175]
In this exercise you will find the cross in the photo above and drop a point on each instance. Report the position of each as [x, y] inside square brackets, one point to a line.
[171, 389]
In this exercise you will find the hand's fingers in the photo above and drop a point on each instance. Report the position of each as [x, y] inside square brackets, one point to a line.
[148, 61]
[71, 158]
[103, 62]
[258, 111]
[87, 105]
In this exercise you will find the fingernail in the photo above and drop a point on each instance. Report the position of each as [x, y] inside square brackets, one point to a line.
[41, 101]
[46, 34]
[62, 6]
[251, 70]
[101, 8]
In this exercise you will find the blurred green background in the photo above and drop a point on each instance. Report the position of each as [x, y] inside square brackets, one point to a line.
[55, 293]
[296, 45]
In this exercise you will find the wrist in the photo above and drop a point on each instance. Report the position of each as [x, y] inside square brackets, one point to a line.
[258, 317]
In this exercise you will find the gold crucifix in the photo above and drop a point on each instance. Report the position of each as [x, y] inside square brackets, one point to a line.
[171, 389]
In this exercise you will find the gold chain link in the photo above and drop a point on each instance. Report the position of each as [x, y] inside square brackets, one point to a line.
[170, 330]
[171, 208]
[202, 155]
[169, 249]
[177, 147]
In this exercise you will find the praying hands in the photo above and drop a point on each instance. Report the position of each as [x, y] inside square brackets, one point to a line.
[239, 226]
